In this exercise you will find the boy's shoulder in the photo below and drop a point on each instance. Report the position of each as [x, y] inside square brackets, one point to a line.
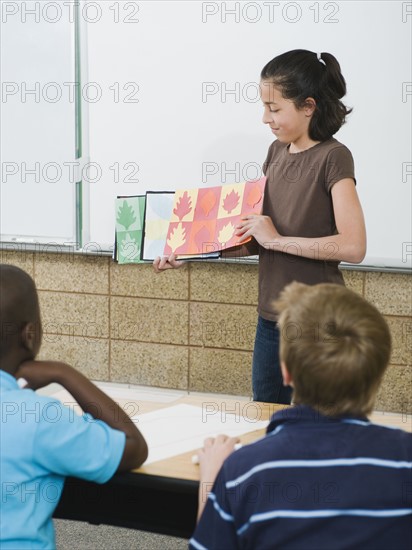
[25, 411]
[52, 431]
[290, 440]
[390, 437]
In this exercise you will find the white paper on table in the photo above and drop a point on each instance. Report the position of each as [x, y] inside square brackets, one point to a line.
[175, 430]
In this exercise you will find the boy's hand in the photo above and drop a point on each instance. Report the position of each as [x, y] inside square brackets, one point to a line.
[39, 373]
[213, 454]
[211, 458]
[161, 264]
[258, 226]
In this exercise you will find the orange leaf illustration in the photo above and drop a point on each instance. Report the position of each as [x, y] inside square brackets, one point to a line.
[177, 237]
[226, 233]
[231, 201]
[254, 197]
[207, 203]
[202, 236]
[183, 206]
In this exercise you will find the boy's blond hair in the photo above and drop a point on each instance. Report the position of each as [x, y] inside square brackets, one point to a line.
[335, 345]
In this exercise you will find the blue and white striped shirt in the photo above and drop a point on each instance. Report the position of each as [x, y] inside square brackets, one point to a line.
[313, 483]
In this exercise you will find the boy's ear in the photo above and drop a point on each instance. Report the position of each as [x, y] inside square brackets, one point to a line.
[30, 338]
[287, 379]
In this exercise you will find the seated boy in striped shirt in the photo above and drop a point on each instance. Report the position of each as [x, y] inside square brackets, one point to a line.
[324, 476]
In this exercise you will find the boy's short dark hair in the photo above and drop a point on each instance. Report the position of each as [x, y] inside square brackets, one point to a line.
[335, 345]
[19, 305]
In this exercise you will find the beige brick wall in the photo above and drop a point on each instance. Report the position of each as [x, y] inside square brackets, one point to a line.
[189, 329]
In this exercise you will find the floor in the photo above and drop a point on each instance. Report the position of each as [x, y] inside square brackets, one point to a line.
[75, 535]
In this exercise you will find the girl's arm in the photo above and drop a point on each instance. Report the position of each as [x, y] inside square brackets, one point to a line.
[348, 245]
[250, 248]
[171, 262]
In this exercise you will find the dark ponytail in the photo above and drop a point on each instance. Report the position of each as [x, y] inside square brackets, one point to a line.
[300, 74]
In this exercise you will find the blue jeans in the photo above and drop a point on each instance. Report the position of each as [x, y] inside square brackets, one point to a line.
[267, 379]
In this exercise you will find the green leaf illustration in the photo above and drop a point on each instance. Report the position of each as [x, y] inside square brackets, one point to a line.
[125, 215]
[129, 247]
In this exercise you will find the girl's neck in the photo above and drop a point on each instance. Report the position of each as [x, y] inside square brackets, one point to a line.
[301, 145]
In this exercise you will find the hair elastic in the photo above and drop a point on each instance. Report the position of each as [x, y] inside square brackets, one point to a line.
[319, 56]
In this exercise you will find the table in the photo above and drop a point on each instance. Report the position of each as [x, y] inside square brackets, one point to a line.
[160, 497]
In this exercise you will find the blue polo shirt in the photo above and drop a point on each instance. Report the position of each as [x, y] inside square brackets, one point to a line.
[312, 483]
[42, 441]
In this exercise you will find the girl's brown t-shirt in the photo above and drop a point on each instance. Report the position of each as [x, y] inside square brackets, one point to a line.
[298, 199]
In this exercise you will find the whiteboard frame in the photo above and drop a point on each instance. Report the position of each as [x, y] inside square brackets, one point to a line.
[80, 193]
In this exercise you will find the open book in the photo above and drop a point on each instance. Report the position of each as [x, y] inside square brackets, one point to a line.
[192, 223]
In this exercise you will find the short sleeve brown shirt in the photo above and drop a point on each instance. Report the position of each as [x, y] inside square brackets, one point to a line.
[298, 199]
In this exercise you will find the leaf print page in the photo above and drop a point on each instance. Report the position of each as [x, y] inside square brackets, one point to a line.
[231, 200]
[159, 207]
[129, 225]
[184, 205]
[205, 219]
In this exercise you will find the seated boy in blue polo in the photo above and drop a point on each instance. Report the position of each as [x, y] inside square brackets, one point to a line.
[42, 441]
[324, 476]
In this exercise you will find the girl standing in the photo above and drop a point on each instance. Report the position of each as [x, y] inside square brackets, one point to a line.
[311, 218]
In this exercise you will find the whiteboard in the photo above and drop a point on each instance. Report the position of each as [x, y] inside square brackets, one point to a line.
[180, 108]
[38, 176]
